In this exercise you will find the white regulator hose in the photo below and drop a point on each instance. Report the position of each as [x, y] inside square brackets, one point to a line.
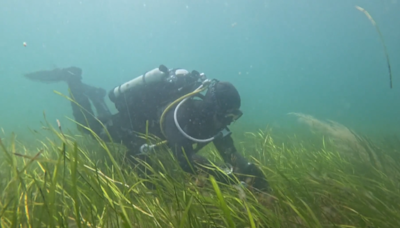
[205, 83]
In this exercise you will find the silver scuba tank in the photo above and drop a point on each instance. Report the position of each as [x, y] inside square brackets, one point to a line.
[151, 77]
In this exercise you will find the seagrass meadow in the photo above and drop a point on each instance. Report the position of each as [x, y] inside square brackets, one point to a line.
[331, 178]
[317, 112]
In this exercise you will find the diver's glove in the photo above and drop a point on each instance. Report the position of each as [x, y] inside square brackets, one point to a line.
[255, 178]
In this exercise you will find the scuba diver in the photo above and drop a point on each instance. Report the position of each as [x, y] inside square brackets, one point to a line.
[169, 104]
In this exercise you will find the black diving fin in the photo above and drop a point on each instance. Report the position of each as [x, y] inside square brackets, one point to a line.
[56, 75]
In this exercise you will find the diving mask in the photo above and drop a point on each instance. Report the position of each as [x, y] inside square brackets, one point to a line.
[231, 115]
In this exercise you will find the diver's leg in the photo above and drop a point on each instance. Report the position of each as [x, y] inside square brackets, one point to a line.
[80, 93]
[81, 107]
[96, 95]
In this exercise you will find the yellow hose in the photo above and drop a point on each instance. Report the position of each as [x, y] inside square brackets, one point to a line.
[176, 101]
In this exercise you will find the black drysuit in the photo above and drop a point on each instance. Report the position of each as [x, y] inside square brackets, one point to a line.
[124, 126]
[192, 121]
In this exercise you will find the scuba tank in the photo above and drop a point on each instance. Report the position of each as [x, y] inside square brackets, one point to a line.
[148, 78]
[146, 95]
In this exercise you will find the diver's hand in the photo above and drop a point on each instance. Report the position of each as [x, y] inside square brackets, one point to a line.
[255, 178]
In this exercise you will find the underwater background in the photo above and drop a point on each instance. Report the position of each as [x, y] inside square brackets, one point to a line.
[319, 58]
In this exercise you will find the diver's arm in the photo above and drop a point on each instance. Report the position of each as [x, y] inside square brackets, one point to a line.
[227, 149]
[183, 150]
[180, 145]
[229, 153]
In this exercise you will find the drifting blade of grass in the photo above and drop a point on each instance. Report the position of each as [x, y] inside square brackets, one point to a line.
[74, 167]
[222, 202]
[124, 219]
[46, 206]
[4, 209]
[10, 160]
[251, 220]
[98, 172]
[28, 219]
[382, 41]
[105, 147]
[310, 212]
[185, 214]
[53, 185]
